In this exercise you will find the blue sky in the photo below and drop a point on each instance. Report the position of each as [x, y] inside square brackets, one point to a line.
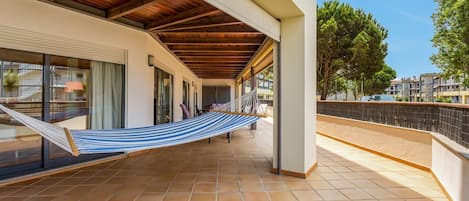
[410, 30]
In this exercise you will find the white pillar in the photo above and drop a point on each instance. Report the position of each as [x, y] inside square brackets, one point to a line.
[297, 99]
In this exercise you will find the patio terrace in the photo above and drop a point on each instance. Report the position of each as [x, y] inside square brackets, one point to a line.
[232, 172]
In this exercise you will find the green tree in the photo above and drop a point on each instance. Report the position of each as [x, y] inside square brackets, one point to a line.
[379, 81]
[451, 21]
[350, 41]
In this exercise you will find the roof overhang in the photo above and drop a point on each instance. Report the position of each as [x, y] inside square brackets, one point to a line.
[213, 38]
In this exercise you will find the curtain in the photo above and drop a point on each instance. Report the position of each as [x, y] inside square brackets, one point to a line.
[106, 100]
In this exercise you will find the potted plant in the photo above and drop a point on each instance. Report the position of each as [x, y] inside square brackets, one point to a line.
[10, 80]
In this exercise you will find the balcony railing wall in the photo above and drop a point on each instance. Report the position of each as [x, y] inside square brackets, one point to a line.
[451, 120]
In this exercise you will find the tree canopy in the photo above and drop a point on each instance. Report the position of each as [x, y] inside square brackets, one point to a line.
[350, 45]
[451, 21]
[379, 81]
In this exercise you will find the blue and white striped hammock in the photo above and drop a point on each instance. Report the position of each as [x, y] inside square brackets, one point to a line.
[135, 139]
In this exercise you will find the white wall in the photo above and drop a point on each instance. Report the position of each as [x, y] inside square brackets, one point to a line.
[43, 18]
[167, 62]
[222, 82]
[451, 167]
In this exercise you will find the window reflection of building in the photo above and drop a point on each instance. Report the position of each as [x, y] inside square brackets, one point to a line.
[55, 89]
[163, 97]
[265, 84]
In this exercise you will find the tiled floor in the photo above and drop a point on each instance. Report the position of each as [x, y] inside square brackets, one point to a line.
[234, 172]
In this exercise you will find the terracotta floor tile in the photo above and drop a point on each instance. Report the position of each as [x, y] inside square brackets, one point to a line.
[379, 193]
[255, 196]
[128, 192]
[101, 192]
[94, 180]
[282, 196]
[55, 190]
[341, 184]
[157, 187]
[181, 188]
[320, 185]
[356, 194]
[228, 187]
[228, 178]
[252, 186]
[203, 197]
[332, 195]
[278, 186]
[176, 197]
[78, 192]
[405, 193]
[46, 198]
[206, 178]
[151, 197]
[233, 172]
[16, 198]
[48, 181]
[30, 190]
[205, 187]
[7, 190]
[307, 195]
[230, 197]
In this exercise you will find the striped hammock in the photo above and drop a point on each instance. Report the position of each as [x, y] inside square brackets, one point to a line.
[79, 142]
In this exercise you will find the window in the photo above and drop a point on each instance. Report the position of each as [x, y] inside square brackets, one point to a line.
[59, 90]
[186, 94]
[163, 97]
[21, 90]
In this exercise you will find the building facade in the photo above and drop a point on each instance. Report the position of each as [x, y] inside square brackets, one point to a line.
[429, 87]
[96, 64]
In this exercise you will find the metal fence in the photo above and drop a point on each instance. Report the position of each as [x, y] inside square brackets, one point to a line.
[451, 120]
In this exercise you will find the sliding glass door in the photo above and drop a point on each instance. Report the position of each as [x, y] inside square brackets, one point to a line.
[163, 97]
[186, 94]
[21, 90]
[70, 92]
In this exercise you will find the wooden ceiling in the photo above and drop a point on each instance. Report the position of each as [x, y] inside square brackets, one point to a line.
[211, 43]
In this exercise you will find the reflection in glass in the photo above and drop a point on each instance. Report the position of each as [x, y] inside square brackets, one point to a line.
[185, 94]
[20, 89]
[75, 85]
[163, 97]
[69, 97]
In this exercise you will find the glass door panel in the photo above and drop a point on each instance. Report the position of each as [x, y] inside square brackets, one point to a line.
[69, 97]
[163, 97]
[66, 91]
[21, 90]
[186, 94]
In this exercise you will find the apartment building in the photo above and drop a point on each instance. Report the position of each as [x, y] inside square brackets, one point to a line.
[429, 87]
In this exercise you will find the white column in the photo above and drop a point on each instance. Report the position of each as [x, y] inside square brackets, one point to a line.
[297, 99]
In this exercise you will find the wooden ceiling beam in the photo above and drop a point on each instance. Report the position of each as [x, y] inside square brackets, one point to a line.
[233, 28]
[129, 7]
[208, 70]
[216, 54]
[215, 65]
[213, 57]
[215, 61]
[201, 26]
[221, 48]
[212, 34]
[216, 76]
[214, 44]
[182, 17]
[218, 39]
[214, 51]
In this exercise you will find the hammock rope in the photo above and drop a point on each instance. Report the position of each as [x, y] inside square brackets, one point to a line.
[208, 125]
